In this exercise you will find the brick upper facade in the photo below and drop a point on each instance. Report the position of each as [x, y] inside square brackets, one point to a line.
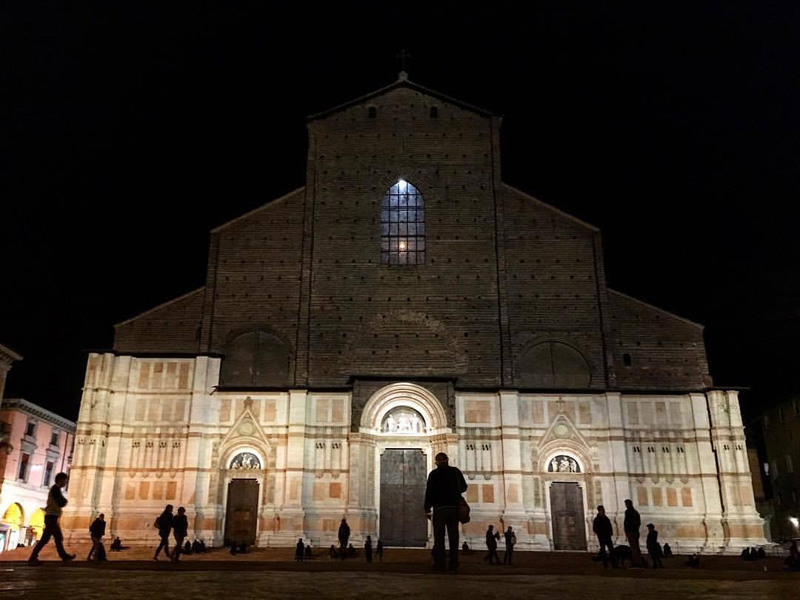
[512, 293]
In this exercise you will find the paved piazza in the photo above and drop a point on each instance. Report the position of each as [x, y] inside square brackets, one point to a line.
[270, 573]
[77, 582]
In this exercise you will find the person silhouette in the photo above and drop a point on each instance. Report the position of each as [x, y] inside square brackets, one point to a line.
[653, 547]
[52, 513]
[631, 525]
[164, 525]
[443, 493]
[368, 549]
[344, 536]
[491, 545]
[605, 532]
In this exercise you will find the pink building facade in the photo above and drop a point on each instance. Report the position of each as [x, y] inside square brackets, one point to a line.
[37, 446]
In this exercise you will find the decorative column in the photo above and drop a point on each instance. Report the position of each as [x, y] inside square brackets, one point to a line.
[197, 480]
[620, 484]
[292, 513]
[741, 523]
[514, 510]
[712, 538]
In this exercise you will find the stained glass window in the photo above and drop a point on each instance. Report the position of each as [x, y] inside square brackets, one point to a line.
[402, 225]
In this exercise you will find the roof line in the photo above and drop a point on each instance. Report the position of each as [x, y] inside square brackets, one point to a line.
[38, 411]
[647, 304]
[5, 351]
[553, 208]
[162, 305]
[255, 210]
[397, 84]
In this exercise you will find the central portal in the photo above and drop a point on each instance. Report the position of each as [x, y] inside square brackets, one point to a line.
[242, 513]
[403, 479]
[566, 507]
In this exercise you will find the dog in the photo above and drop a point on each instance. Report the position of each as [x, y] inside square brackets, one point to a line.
[623, 553]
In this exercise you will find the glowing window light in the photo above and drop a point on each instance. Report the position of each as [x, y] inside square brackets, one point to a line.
[402, 225]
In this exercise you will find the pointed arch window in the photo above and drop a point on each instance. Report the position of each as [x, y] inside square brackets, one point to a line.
[402, 225]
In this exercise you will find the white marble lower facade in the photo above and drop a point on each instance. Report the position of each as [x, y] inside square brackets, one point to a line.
[154, 431]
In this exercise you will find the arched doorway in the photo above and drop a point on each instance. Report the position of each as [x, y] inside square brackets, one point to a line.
[564, 472]
[245, 472]
[37, 523]
[407, 424]
[13, 520]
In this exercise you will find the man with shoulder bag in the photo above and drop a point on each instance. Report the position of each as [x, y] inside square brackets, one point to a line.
[446, 508]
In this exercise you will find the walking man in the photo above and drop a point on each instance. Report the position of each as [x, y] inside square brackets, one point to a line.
[163, 523]
[491, 544]
[632, 524]
[97, 531]
[604, 531]
[442, 497]
[344, 536]
[52, 512]
[379, 551]
[511, 539]
[180, 529]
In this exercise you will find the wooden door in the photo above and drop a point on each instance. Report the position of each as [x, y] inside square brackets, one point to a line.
[242, 514]
[566, 510]
[402, 516]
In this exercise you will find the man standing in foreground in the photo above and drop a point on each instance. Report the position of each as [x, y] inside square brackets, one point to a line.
[632, 524]
[52, 512]
[442, 497]
[604, 531]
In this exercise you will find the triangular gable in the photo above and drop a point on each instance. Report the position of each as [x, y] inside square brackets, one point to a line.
[247, 430]
[562, 429]
[269, 204]
[403, 82]
[654, 308]
[550, 207]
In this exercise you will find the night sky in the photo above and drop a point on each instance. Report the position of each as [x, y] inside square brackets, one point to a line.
[130, 129]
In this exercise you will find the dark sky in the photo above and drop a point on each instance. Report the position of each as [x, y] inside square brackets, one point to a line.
[130, 129]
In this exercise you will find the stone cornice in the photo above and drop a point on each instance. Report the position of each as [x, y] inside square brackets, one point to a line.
[37, 411]
[7, 355]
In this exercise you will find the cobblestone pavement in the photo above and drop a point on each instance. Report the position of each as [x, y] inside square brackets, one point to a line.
[81, 582]
[270, 573]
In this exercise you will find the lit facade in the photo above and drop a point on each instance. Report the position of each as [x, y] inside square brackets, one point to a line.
[38, 447]
[404, 302]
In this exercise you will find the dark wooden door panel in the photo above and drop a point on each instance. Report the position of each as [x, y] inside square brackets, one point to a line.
[402, 517]
[566, 509]
[242, 512]
[415, 479]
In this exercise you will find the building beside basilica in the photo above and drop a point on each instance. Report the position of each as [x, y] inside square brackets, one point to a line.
[406, 301]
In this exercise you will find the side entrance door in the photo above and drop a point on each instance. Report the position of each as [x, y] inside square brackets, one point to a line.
[403, 479]
[242, 514]
[566, 508]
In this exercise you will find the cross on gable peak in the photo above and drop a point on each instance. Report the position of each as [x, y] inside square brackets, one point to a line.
[403, 57]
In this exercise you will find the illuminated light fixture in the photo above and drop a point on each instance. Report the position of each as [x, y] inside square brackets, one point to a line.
[402, 246]
[402, 185]
[794, 521]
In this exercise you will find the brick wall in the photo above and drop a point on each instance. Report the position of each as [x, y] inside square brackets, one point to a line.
[503, 271]
[171, 327]
[666, 351]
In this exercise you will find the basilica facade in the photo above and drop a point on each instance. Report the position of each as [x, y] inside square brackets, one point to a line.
[407, 301]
